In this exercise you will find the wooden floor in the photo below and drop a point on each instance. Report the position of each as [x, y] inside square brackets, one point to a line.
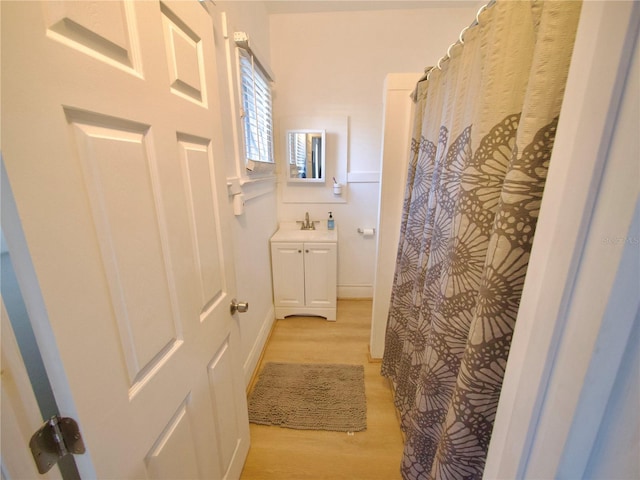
[282, 453]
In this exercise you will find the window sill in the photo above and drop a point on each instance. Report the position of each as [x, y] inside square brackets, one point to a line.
[251, 186]
[259, 169]
[250, 179]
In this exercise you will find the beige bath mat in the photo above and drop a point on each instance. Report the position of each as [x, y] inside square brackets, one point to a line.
[310, 397]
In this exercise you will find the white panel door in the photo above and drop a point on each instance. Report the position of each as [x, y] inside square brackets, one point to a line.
[112, 146]
[320, 274]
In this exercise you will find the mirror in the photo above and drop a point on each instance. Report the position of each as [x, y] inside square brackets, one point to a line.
[305, 154]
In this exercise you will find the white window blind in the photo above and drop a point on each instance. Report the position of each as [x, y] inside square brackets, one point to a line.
[298, 151]
[256, 109]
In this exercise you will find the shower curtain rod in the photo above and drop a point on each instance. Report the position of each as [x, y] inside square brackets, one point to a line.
[460, 41]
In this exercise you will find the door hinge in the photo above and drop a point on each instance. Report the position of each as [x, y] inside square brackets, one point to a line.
[59, 436]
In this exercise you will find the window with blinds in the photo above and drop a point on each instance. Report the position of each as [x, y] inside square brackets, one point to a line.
[256, 109]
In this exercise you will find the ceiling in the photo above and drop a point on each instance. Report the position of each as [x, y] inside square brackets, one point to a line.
[313, 6]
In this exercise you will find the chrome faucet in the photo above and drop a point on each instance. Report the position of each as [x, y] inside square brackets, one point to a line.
[307, 224]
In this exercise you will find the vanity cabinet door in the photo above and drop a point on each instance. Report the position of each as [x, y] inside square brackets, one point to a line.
[320, 272]
[288, 274]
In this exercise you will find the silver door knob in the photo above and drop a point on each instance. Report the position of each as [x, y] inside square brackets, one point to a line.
[238, 307]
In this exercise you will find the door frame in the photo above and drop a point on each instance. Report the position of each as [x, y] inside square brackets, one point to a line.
[21, 415]
[565, 307]
[37, 313]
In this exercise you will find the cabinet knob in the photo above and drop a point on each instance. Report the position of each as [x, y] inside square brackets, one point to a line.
[299, 251]
[307, 251]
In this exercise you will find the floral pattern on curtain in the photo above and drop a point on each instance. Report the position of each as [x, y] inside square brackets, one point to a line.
[483, 135]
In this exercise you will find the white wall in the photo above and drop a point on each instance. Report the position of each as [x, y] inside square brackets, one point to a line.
[252, 230]
[331, 64]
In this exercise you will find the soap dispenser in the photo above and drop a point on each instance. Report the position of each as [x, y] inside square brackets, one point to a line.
[330, 223]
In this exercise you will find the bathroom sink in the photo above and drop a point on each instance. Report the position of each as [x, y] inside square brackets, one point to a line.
[290, 232]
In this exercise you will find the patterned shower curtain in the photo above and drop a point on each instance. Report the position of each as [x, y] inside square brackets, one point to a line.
[483, 135]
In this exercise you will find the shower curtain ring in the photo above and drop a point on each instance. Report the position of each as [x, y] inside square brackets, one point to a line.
[461, 37]
[441, 59]
[482, 9]
[449, 49]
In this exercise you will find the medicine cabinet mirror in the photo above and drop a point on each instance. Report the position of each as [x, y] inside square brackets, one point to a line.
[306, 155]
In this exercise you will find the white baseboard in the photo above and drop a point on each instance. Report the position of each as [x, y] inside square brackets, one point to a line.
[355, 291]
[253, 358]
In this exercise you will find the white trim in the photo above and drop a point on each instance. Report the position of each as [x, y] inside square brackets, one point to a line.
[254, 188]
[398, 115]
[234, 104]
[607, 352]
[251, 187]
[531, 421]
[241, 40]
[403, 81]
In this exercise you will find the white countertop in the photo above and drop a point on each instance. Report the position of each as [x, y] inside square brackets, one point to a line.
[290, 232]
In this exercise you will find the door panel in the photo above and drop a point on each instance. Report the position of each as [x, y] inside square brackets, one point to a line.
[288, 274]
[112, 149]
[222, 384]
[320, 274]
[103, 30]
[127, 218]
[197, 171]
[184, 57]
[174, 453]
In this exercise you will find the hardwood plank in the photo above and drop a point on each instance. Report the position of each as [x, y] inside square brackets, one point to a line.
[282, 453]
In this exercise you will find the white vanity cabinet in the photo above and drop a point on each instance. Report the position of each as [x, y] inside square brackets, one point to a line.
[304, 270]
